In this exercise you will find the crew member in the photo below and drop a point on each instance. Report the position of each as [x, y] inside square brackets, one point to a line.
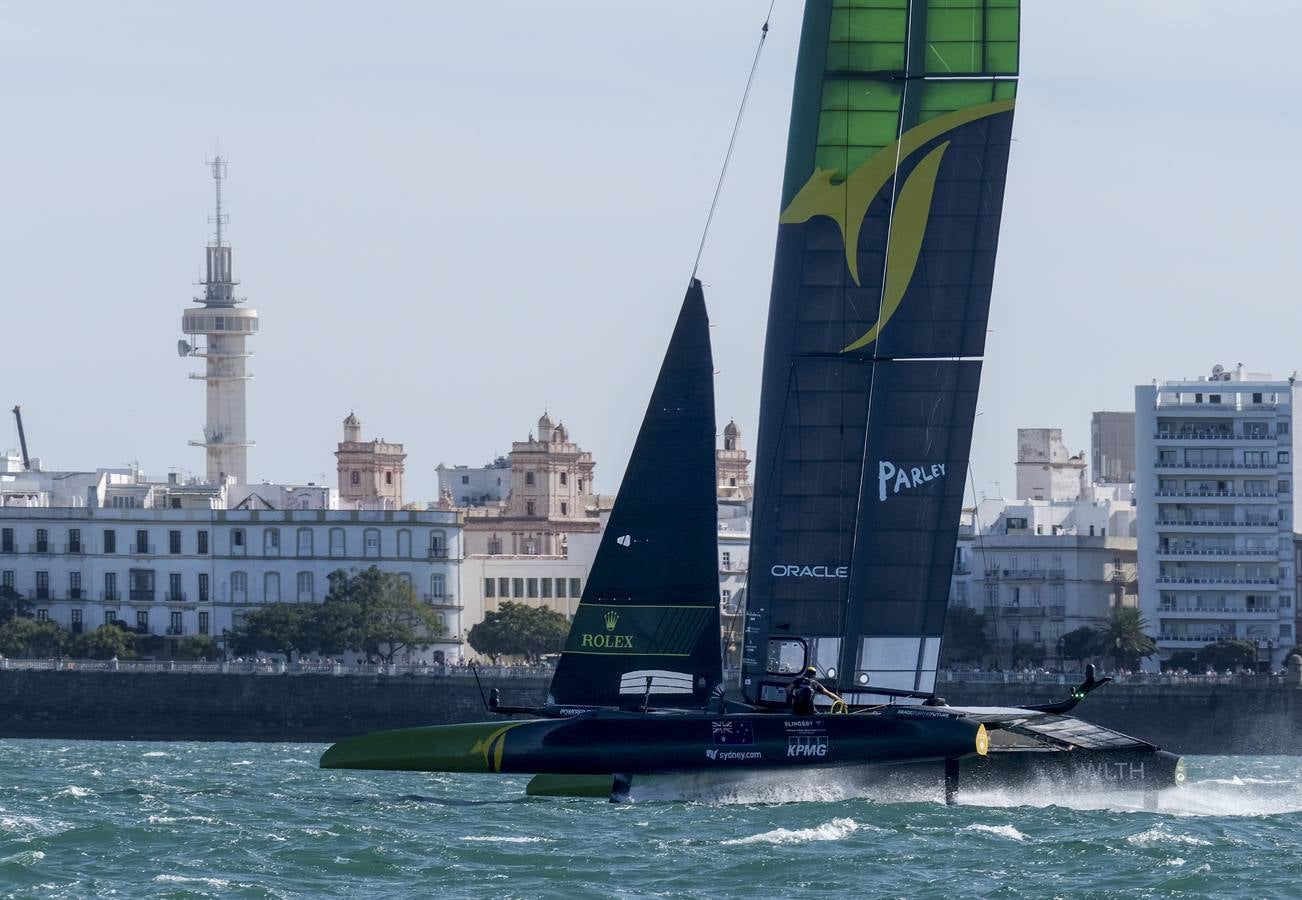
[801, 691]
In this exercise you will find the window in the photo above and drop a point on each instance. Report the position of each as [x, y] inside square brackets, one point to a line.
[560, 588]
[110, 616]
[356, 478]
[494, 546]
[372, 543]
[465, 479]
[1283, 486]
[725, 596]
[388, 478]
[74, 540]
[110, 586]
[174, 622]
[1281, 428]
[42, 585]
[271, 587]
[142, 542]
[110, 541]
[517, 587]
[174, 591]
[337, 545]
[528, 478]
[75, 620]
[202, 547]
[565, 508]
[576, 588]
[1281, 456]
[42, 540]
[203, 587]
[503, 587]
[438, 548]
[142, 621]
[437, 590]
[726, 560]
[546, 586]
[490, 588]
[42, 615]
[7, 579]
[271, 542]
[529, 508]
[6, 540]
[304, 540]
[305, 586]
[237, 541]
[74, 585]
[564, 478]
[239, 586]
[203, 623]
[532, 584]
[174, 541]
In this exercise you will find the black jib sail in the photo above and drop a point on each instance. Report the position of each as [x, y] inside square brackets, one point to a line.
[896, 159]
[647, 627]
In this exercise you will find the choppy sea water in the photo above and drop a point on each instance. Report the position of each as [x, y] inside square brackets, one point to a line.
[81, 818]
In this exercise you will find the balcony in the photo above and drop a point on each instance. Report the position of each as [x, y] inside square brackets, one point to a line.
[174, 630]
[1215, 466]
[1030, 612]
[110, 596]
[1219, 495]
[1210, 436]
[142, 549]
[438, 553]
[1190, 581]
[1193, 639]
[38, 547]
[75, 594]
[1182, 524]
[139, 595]
[1225, 611]
[1222, 552]
[75, 548]
[176, 596]
[42, 593]
[76, 628]
[448, 601]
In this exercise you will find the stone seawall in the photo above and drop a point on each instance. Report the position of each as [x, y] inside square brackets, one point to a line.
[1188, 718]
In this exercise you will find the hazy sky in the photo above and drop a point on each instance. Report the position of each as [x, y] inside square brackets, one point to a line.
[452, 215]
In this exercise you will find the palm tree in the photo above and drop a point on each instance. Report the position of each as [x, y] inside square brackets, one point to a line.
[1123, 636]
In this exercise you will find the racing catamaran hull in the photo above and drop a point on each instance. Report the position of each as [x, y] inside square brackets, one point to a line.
[630, 743]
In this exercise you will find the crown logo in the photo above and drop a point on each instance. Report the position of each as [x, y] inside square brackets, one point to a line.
[612, 617]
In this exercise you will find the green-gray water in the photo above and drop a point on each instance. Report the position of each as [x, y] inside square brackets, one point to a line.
[84, 819]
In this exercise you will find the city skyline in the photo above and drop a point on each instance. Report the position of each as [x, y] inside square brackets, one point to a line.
[382, 178]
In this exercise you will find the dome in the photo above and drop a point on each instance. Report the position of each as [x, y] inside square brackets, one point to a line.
[352, 421]
[545, 423]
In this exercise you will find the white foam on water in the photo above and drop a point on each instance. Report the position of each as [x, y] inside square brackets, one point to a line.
[174, 820]
[835, 830]
[28, 826]
[193, 879]
[154, 753]
[1174, 862]
[504, 839]
[1159, 836]
[25, 858]
[1007, 831]
[73, 791]
[749, 788]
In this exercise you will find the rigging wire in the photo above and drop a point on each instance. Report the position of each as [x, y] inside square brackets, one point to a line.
[732, 141]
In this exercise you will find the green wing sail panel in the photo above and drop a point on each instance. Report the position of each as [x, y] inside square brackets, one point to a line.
[896, 159]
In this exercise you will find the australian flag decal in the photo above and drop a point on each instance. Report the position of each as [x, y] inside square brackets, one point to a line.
[727, 732]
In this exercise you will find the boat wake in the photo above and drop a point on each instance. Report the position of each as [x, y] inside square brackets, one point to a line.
[1234, 796]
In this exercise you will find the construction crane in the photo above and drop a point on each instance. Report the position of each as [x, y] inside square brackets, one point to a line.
[22, 438]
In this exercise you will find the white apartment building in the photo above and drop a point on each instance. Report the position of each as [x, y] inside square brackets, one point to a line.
[180, 572]
[1038, 569]
[1214, 481]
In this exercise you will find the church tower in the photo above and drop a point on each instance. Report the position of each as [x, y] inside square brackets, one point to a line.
[370, 472]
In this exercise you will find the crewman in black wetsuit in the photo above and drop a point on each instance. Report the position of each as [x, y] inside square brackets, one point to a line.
[801, 691]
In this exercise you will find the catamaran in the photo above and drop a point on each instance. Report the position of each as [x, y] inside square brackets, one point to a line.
[897, 154]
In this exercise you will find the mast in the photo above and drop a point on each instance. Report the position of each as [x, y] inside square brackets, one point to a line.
[896, 158]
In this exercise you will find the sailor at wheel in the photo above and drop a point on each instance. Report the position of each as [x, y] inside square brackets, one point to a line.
[801, 691]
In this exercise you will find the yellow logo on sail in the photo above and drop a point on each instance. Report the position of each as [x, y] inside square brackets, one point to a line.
[847, 202]
[493, 747]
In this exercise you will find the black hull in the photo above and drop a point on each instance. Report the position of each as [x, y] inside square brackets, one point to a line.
[641, 743]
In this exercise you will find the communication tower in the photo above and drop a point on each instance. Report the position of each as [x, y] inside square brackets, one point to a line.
[218, 331]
